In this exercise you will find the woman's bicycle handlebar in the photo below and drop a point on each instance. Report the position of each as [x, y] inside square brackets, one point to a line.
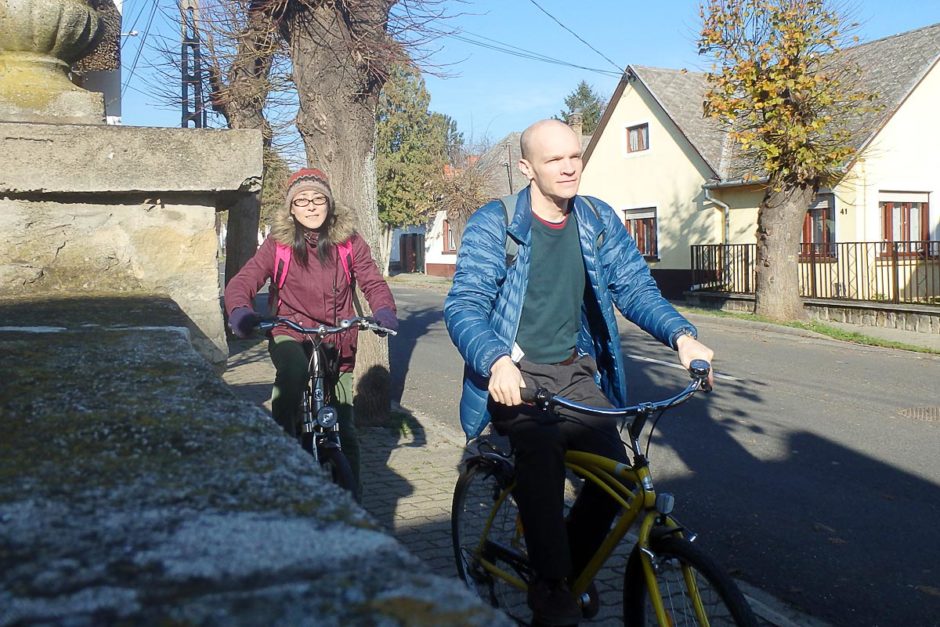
[545, 400]
[360, 322]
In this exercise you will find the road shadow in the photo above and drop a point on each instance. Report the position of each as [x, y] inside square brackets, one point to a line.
[384, 487]
[767, 520]
[412, 327]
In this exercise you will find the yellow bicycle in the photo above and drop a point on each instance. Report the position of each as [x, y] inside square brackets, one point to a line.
[667, 580]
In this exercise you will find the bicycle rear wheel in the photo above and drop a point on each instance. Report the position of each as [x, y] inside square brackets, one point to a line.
[721, 600]
[487, 536]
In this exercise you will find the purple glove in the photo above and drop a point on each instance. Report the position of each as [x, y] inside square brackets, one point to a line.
[243, 321]
[386, 318]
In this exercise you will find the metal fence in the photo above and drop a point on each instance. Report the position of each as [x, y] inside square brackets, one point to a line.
[893, 272]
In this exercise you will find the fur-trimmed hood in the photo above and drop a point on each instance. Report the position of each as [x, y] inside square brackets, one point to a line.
[282, 227]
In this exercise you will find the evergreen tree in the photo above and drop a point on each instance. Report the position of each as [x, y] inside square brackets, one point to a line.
[588, 102]
[411, 150]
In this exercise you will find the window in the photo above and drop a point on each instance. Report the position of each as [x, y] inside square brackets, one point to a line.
[638, 138]
[450, 244]
[904, 219]
[641, 224]
[819, 228]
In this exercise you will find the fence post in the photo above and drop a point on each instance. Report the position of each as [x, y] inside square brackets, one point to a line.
[896, 277]
[812, 270]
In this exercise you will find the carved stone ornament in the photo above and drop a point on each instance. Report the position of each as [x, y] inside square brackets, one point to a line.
[39, 41]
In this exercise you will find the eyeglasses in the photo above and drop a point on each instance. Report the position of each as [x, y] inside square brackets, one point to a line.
[317, 200]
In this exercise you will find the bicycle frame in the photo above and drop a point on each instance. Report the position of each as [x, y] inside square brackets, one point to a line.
[323, 426]
[630, 485]
[639, 503]
[316, 399]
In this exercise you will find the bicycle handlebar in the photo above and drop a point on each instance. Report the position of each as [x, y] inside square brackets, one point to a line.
[363, 323]
[698, 370]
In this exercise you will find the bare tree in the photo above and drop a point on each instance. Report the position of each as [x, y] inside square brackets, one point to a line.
[243, 65]
[238, 74]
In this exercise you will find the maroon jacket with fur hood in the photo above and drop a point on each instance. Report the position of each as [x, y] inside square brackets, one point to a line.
[318, 293]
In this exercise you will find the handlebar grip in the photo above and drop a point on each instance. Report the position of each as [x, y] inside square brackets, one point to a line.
[536, 396]
[699, 369]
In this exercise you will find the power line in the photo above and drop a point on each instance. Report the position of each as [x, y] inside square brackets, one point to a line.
[516, 51]
[143, 40]
[126, 9]
[619, 69]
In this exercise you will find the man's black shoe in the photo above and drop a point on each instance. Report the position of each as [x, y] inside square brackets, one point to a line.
[552, 604]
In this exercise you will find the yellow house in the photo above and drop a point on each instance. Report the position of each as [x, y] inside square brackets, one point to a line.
[679, 182]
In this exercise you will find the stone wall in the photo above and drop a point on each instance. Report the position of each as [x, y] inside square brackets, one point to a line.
[136, 489]
[122, 210]
[916, 318]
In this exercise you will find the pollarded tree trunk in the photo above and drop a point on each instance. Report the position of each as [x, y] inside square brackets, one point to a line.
[338, 50]
[241, 240]
[779, 231]
[240, 97]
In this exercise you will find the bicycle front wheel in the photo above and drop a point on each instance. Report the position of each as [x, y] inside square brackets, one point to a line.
[334, 462]
[694, 589]
[488, 542]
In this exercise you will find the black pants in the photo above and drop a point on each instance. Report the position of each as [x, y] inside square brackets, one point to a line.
[558, 549]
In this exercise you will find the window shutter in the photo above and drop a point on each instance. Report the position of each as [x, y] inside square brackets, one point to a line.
[886, 218]
[924, 222]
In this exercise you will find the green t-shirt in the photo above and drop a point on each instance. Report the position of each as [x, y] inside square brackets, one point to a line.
[551, 312]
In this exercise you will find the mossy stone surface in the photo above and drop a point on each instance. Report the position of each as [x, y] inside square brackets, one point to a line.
[136, 488]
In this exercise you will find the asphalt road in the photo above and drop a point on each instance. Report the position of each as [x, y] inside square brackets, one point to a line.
[812, 472]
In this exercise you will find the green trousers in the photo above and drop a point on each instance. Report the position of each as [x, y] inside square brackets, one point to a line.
[290, 360]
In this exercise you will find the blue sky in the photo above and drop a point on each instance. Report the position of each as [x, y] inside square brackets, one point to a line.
[491, 93]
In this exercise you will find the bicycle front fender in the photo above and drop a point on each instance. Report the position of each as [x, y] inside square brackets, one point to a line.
[652, 530]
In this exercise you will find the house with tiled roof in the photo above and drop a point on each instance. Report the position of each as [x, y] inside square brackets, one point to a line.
[678, 181]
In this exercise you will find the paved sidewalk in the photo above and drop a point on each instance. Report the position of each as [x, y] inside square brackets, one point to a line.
[409, 471]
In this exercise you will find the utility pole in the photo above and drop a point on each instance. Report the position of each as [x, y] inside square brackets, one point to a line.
[508, 165]
[191, 67]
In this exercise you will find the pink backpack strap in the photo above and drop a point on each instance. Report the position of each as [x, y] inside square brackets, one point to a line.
[346, 258]
[282, 257]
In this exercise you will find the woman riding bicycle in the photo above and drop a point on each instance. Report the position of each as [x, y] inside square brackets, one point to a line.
[326, 258]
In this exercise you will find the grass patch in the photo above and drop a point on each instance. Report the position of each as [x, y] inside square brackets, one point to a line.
[822, 328]
[403, 423]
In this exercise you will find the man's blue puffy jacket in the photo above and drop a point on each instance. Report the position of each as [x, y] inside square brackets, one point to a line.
[484, 305]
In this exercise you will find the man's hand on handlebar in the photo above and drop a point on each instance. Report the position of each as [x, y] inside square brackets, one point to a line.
[690, 349]
[505, 382]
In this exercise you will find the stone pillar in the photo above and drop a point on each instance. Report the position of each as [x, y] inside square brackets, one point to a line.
[39, 40]
[113, 211]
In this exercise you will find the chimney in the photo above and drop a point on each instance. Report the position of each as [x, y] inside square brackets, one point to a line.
[575, 121]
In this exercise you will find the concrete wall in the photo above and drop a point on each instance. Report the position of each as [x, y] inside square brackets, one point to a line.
[436, 261]
[119, 210]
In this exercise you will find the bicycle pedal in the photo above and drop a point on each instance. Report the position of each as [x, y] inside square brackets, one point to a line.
[590, 602]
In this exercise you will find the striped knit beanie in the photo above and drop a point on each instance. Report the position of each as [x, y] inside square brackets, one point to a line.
[311, 179]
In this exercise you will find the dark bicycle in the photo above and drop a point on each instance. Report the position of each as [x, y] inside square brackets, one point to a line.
[319, 434]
